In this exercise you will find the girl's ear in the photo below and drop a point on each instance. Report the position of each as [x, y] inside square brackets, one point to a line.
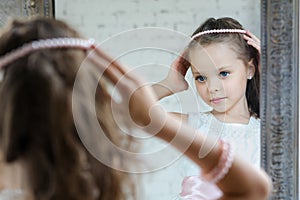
[250, 69]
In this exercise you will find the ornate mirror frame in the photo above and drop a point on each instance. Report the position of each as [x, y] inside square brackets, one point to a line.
[38, 7]
[280, 96]
[279, 90]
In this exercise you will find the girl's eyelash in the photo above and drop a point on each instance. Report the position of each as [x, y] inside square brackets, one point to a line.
[222, 73]
[200, 76]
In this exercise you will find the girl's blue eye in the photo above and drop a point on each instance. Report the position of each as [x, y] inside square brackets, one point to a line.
[201, 78]
[224, 74]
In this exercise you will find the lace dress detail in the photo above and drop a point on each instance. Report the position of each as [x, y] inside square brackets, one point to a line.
[244, 138]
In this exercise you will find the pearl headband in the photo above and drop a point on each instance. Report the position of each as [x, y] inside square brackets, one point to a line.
[219, 31]
[27, 48]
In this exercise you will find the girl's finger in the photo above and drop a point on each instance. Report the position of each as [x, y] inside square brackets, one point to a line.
[251, 39]
[252, 36]
[246, 37]
[108, 69]
[109, 59]
[252, 42]
[112, 69]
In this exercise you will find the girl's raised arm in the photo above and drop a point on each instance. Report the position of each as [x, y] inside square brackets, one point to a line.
[238, 178]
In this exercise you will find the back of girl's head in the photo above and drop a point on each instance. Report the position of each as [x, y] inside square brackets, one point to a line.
[36, 121]
[239, 45]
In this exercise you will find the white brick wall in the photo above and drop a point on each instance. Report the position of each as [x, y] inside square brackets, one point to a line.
[113, 16]
[102, 19]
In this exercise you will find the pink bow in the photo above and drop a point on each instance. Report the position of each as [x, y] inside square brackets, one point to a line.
[195, 188]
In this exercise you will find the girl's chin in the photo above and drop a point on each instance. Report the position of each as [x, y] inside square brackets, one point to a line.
[219, 108]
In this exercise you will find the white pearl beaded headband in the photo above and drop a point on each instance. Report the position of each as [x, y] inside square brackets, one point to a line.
[51, 43]
[219, 31]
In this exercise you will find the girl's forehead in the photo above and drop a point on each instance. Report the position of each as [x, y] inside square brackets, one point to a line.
[213, 51]
[214, 55]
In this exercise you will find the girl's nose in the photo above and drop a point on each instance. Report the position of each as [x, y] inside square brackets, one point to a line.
[214, 85]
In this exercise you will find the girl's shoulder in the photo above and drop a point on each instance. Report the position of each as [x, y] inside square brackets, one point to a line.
[202, 118]
[254, 122]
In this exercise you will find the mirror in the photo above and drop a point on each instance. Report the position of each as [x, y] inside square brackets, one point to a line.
[277, 23]
[125, 30]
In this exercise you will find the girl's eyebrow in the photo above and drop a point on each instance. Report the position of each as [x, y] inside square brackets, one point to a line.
[195, 73]
[224, 67]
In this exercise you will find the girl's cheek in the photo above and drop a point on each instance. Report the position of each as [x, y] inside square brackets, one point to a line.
[202, 91]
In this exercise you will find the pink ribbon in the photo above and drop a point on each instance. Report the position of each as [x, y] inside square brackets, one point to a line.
[195, 188]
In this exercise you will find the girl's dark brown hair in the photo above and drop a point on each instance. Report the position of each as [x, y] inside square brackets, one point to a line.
[36, 121]
[244, 51]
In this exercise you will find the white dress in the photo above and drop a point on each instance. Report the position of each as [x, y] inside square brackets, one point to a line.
[244, 138]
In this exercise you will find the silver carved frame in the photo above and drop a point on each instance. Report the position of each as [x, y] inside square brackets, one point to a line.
[279, 90]
[38, 7]
[280, 96]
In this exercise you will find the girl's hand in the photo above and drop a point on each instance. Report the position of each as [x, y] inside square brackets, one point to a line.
[252, 40]
[176, 76]
[175, 80]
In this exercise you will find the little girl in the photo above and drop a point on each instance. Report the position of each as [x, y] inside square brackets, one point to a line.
[224, 60]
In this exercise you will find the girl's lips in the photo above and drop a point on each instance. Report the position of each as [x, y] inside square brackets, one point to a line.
[217, 100]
